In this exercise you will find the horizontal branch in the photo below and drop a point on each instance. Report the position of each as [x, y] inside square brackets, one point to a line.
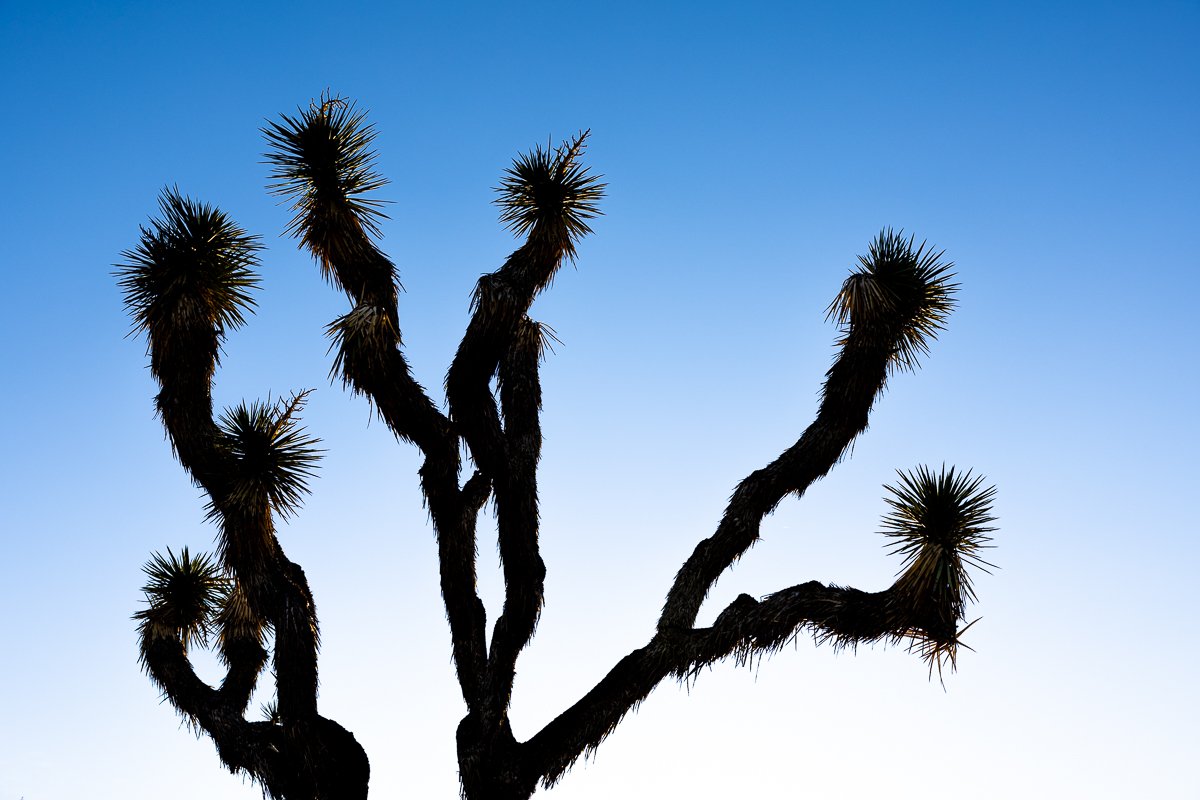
[746, 627]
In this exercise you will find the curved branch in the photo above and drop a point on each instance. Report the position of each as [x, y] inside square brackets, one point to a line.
[548, 196]
[184, 284]
[309, 757]
[324, 163]
[241, 745]
[938, 522]
[500, 305]
[501, 302]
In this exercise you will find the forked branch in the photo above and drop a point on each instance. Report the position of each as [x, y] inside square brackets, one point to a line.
[940, 523]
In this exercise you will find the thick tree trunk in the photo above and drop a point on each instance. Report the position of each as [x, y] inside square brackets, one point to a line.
[345, 771]
[317, 760]
[490, 764]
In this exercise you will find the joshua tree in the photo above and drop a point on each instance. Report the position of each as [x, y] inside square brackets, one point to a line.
[188, 282]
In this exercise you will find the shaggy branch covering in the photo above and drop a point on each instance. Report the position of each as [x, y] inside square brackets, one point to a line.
[185, 284]
[189, 281]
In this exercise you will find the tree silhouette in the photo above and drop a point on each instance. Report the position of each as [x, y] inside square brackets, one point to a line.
[189, 281]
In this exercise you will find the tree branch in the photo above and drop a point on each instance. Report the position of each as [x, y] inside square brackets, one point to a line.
[745, 628]
[324, 163]
[889, 309]
[517, 511]
[502, 300]
[184, 284]
[851, 386]
[242, 745]
[548, 197]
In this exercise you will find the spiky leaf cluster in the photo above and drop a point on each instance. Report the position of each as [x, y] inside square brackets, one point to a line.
[899, 297]
[324, 163]
[184, 595]
[270, 712]
[192, 272]
[273, 456]
[939, 523]
[552, 192]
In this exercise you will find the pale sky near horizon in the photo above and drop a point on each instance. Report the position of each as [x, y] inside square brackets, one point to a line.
[751, 153]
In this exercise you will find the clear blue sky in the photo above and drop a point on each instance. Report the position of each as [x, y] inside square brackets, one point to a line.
[751, 153]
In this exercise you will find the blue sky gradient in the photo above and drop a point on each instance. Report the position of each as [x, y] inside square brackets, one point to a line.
[751, 153]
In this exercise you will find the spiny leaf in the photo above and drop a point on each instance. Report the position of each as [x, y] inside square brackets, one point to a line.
[192, 270]
[323, 163]
[184, 594]
[274, 457]
[548, 191]
[939, 523]
[900, 297]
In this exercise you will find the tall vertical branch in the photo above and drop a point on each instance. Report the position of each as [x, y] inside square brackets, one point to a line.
[517, 510]
[323, 162]
[548, 196]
